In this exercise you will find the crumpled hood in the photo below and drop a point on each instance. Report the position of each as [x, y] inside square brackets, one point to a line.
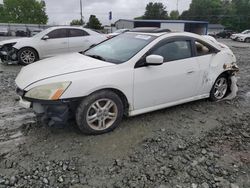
[57, 66]
[13, 40]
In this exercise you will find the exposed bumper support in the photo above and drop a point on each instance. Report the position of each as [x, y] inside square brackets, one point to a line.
[52, 113]
[8, 54]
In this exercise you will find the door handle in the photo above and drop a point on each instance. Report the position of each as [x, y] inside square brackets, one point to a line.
[64, 42]
[190, 72]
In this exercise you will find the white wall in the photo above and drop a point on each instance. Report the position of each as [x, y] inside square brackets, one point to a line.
[124, 25]
[173, 26]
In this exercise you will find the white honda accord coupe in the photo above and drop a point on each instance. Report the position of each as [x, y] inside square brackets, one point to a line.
[48, 43]
[131, 74]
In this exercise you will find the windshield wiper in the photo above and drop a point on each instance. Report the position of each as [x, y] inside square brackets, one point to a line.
[97, 57]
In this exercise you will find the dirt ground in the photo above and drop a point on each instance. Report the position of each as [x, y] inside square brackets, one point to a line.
[197, 145]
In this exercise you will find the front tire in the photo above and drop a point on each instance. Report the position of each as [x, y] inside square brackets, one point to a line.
[99, 113]
[27, 56]
[220, 88]
[247, 40]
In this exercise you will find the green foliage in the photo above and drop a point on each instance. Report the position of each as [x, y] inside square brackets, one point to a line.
[94, 23]
[23, 11]
[154, 11]
[233, 14]
[174, 15]
[77, 22]
[208, 10]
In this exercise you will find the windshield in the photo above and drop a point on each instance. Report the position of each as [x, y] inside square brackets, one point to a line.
[245, 32]
[121, 48]
[41, 34]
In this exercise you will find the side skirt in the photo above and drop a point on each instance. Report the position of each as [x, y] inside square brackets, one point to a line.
[162, 106]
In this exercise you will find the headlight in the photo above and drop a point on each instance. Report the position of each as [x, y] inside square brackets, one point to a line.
[48, 92]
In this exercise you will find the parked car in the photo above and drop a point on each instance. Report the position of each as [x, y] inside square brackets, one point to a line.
[131, 74]
[244, 38]
[118, 32]
[237, 35]
[21, 32]
[50, 42]
[4, 31]
[224, 34]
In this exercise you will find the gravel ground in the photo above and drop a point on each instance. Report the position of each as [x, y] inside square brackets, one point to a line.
[197, 145]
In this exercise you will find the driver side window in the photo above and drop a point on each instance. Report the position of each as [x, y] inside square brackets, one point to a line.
[175, 50]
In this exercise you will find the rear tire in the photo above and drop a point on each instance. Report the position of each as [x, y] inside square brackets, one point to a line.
[99, 113]
[220, 88]
[27, 56]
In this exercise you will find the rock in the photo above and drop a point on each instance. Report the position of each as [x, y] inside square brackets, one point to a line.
[194, 163]
[45, 180]
[246, 135]
[194, 185]
[232, 185]
[204, 185]
[36, 172]
[13, 180]
[2, 180]
[163, 186]
[65, 167]
[60, 179]
[8, 164]
[7, 182]
[203, 151]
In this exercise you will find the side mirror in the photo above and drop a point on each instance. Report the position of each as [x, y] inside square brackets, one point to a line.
[154, 60]
[46, 37]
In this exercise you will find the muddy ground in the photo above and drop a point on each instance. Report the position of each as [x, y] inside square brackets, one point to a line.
[197, 145]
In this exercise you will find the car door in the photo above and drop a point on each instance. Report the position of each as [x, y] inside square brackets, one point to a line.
[204, 56]
[176, 79]
[79, 40]
[56, 43]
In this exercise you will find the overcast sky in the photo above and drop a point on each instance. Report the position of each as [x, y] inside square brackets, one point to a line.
[63, 11]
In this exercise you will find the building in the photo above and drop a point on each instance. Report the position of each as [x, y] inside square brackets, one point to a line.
[215, 28]
[199, 27]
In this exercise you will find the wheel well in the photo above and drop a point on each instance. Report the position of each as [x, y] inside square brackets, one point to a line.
[32, 49]
[247, 38]
[122, 97]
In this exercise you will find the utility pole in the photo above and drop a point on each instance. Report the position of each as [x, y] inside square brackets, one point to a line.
[177, 5]
[81, 11]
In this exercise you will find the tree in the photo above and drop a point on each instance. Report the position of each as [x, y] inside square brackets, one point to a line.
[174, 15]
[233, 14]
[24, 11]
[77, 22]
[94, 23]
[208, 10]
[154, 11]
[241, 14]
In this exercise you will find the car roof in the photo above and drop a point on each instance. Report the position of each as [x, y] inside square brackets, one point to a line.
[210, 40]
[73, 27]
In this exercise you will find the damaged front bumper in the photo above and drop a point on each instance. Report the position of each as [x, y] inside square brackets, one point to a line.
[52, 113]
[8, 54]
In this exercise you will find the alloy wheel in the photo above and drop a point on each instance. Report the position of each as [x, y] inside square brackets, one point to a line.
[220, 88]
[28, 57]
[102, 114]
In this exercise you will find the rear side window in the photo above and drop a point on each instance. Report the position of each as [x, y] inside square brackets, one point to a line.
[58, 33]
[77, 33]
[175, 50]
